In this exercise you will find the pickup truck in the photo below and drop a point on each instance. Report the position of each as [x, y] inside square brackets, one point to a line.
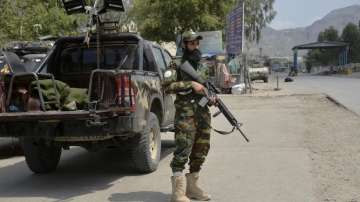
[127, 107]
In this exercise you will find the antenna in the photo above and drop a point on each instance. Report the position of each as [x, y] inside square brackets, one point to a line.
[94, 12]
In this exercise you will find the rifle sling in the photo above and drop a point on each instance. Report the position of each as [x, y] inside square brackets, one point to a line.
[223, 132]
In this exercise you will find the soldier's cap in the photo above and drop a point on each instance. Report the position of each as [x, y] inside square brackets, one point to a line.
[191, 36]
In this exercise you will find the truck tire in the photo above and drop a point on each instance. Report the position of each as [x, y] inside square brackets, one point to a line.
[147, 149]
[40, 156]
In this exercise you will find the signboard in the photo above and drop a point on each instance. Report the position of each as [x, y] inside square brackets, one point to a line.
[235, 30]
[212, 43]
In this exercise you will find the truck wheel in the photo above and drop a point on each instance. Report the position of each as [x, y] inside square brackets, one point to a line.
[40, 156]
[147, 149]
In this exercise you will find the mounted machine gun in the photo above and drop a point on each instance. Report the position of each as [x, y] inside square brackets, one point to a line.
[94, 13]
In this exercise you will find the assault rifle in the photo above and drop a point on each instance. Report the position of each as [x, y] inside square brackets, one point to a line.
[212, 93]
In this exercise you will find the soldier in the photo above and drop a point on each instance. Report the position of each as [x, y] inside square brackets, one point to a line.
[192, 125]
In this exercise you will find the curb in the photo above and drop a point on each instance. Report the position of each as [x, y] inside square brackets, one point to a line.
[339, 104]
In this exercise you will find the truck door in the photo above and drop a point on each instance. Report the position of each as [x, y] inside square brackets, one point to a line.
[163, 59]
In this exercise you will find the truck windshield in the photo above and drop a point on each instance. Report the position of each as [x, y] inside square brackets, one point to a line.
[83, 59]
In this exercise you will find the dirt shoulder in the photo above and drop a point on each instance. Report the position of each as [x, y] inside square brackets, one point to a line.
[333, 137]
[329, 132]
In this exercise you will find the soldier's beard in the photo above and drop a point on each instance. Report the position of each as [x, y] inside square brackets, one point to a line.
[193, 56]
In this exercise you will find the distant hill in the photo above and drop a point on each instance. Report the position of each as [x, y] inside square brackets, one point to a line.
[278, 43]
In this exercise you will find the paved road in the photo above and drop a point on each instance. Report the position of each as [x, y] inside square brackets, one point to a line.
[275, 167]
[343, 89]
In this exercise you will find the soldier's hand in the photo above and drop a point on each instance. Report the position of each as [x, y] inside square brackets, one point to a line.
[198, 88]
[213, 101]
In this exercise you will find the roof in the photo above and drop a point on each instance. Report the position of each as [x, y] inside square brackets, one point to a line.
[30, 56]
[22, 48]
[321, 45]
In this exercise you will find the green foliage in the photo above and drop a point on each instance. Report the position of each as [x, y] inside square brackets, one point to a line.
[162, 20]
[259, 13]
[351, 34]
[27, 20]
[329, 34]
[314, 57]
[326, 56]
[159, 20]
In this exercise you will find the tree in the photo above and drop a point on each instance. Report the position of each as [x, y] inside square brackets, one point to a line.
[163, 20]
[329, 56]
[351, 34]
[325, 56]
[258, 13]
[329, 34]
[27, 20]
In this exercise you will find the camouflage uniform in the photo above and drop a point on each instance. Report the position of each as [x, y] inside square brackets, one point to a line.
[192, 122]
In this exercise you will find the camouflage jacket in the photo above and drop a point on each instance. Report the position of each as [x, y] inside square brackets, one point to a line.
[176, 82]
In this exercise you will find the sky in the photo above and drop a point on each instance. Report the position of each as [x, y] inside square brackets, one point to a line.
[301, 13]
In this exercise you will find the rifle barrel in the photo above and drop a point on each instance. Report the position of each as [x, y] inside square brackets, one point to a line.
[212, 91]
[243, 134]
[231, 118]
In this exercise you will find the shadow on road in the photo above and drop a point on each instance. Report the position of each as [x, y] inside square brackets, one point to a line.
[140, 196]
[79, 173]
[9, 147]
[8, 152]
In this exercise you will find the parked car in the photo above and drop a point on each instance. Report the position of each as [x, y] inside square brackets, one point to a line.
[22, 48]
[32, 61]
[31, 53]
[29, 56]
[6, 143]
[126, 104]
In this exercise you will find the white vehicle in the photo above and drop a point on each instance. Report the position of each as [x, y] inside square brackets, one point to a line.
[259, 72]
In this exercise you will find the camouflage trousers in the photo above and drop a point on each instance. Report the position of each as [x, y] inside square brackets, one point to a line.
[192, 137]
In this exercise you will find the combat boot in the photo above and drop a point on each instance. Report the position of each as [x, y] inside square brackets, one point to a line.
[178, 189]
[193, 190]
